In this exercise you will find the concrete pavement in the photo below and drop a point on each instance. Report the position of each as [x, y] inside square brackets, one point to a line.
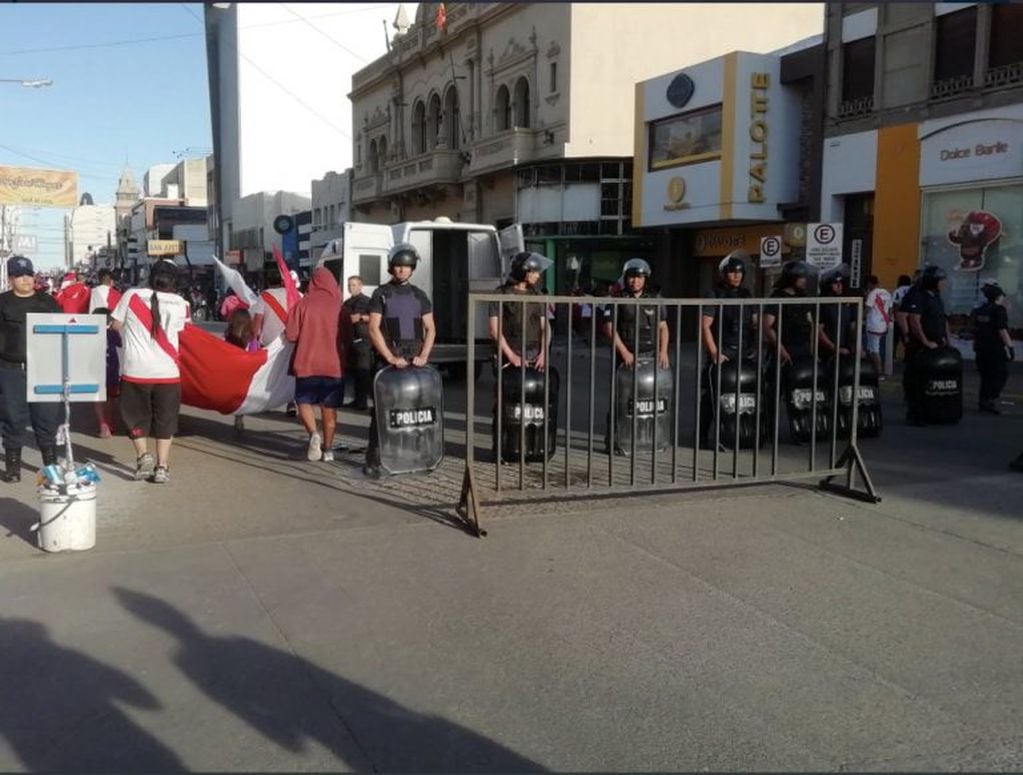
[263, 612]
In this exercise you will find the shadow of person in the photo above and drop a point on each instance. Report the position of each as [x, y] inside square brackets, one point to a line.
[60, 708]
[17, 519]
[291, 701]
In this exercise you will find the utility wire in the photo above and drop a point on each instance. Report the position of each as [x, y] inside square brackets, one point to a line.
[333, 40]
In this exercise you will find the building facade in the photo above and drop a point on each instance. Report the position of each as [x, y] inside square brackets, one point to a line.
[331, 207]
[87, 228]
[253, 237]
[519, 112]
[923, 151]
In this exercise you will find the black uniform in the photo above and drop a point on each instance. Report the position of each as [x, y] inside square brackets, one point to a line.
[402, 306]
[15, 411]
[726, 330]
[929, 306]
[360, 357]
[839, 317]
[518, 319]
[992, 360]
[796, 322]
[646, 316]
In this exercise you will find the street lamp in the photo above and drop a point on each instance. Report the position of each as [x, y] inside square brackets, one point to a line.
[30, 83]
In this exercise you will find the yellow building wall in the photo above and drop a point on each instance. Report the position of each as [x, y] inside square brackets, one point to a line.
[896, 247]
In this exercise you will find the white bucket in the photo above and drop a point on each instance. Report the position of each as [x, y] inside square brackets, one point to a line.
[67, 521]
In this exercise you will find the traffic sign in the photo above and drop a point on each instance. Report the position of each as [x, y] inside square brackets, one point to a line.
[824, 245]
[770, 251]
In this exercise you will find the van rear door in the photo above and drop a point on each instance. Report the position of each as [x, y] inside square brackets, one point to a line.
[365, 253]
[512, 242]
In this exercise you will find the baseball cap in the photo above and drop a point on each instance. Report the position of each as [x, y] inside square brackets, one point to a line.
[19, 266]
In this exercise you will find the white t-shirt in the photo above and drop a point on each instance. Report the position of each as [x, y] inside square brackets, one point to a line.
[877, 300]
[273, 326]
[99, 297]
[145, 360]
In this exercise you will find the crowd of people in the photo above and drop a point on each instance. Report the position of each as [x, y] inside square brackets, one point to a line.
[394, 327]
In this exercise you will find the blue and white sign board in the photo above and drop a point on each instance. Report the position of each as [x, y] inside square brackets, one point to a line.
[71, 347]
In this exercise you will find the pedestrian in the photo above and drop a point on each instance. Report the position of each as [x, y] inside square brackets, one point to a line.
[231, 302]
[15, 410]
[928, 329]
[360, 353]
[106, 411]
[105, 295]
[150, 321]
[270, 314]
[878, 304]
[317, 328]
[401, 328]
[240, 332]
[73, 296]
[992, 345]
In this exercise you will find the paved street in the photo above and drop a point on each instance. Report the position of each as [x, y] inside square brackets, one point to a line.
[265, 613]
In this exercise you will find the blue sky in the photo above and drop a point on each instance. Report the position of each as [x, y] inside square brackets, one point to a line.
[137, 102]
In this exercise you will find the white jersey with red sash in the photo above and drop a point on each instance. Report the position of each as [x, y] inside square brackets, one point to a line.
[149, 358]
[273, 305]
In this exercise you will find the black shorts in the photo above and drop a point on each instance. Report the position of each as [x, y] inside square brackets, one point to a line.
[150, 409]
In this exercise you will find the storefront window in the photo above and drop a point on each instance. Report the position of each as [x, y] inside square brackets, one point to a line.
[686, 139]
[974, 234]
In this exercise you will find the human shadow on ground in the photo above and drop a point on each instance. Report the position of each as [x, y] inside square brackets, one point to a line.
[61, 709]
[17, 519]
[293, 702]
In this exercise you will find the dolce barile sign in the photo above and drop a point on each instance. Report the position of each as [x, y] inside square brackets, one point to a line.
[981, 149]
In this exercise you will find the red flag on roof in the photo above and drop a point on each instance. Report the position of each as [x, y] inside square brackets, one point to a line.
[442, 18]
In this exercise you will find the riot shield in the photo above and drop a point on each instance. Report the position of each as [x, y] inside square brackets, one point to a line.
[869, 420]
[651, 420]
[522, 404]
[941, 385]
[799, 390]
[737, 405]
[409, 409]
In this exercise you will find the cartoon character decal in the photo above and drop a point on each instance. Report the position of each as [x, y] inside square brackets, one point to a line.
[974, 235]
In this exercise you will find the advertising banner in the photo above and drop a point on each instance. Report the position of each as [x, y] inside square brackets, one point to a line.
[40, 188]
[164, 247]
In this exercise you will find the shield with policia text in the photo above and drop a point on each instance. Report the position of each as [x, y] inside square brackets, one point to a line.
[409, 407]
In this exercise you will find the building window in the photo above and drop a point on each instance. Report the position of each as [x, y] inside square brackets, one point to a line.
[554, 77]
[452, 120]
[502, 109]
[383, 151]
[330, 225]
[858, 70]
[374, 162]
[1006, 35]
[419, 127]
[522, 103]
[685, 139]
[316, 217]
[433, 121]
[955, 40]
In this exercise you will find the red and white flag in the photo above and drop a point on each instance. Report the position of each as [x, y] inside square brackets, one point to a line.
[442, 18]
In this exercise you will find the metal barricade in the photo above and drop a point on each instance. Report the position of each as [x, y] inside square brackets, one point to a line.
[575, 469]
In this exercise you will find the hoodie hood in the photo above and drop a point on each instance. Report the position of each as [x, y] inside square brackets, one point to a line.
[323, 282]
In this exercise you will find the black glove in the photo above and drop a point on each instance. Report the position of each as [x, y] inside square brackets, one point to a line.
[1010, 354]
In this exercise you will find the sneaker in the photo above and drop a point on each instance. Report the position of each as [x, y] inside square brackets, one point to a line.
[328, 456]
[144, 467]
[161, 475]
[291, 409]
[371, 471]
[315, 451]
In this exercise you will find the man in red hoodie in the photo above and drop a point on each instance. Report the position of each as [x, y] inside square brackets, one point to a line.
[73, 296]
[316, 326]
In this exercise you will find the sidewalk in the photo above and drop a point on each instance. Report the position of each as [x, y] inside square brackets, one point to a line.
[264, 613]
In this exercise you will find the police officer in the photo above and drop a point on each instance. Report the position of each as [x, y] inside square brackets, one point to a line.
[993, 346]
[360, 358]
[928, 329]
[524, 333]
[836, 319]
[797, 326]
[401, 328]
[651, 320]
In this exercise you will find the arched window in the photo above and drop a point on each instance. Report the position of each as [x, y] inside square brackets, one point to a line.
[383, 152]
[452, 125]
[502, 109]
[374, 162]
[433, 121]
[521, 103]
[419, 127]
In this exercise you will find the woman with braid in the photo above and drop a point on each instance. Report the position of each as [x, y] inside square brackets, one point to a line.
[150, 320]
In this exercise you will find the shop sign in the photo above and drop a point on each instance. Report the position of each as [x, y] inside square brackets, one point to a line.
[164, 247]
[824, 245]
[42, 188]
[719, 242]
[676, 193]
[975, 150]
[855, 262]
[973, 236]
[770, 251]
[24, 243]
[759, 83]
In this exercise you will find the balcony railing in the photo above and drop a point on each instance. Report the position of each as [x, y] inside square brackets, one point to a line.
[860, 106]
[436, 167]
[511, 147]
[367, 189]
[951, 87]
[1007, 75]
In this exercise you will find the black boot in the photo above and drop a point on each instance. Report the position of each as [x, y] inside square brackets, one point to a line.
[12, 463]
[49, 455]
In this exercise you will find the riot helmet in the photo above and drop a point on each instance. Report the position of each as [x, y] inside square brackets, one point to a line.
[527, 261]
[791, 271]
[931, 277]
[992, 291]
[839, 274]
[734, 262]
[636, 267]
[402, 254]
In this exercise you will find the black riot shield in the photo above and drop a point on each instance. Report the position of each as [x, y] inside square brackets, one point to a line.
[869, 420]
[409, 409]
[523, 405]
[652, 420]
[737, 405]
[798, 387]
[940, 375]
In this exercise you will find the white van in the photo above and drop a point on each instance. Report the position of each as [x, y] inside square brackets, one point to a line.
[454, 258]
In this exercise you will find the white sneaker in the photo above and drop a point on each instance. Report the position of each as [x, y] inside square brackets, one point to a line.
[328, 456]
[314, 452]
